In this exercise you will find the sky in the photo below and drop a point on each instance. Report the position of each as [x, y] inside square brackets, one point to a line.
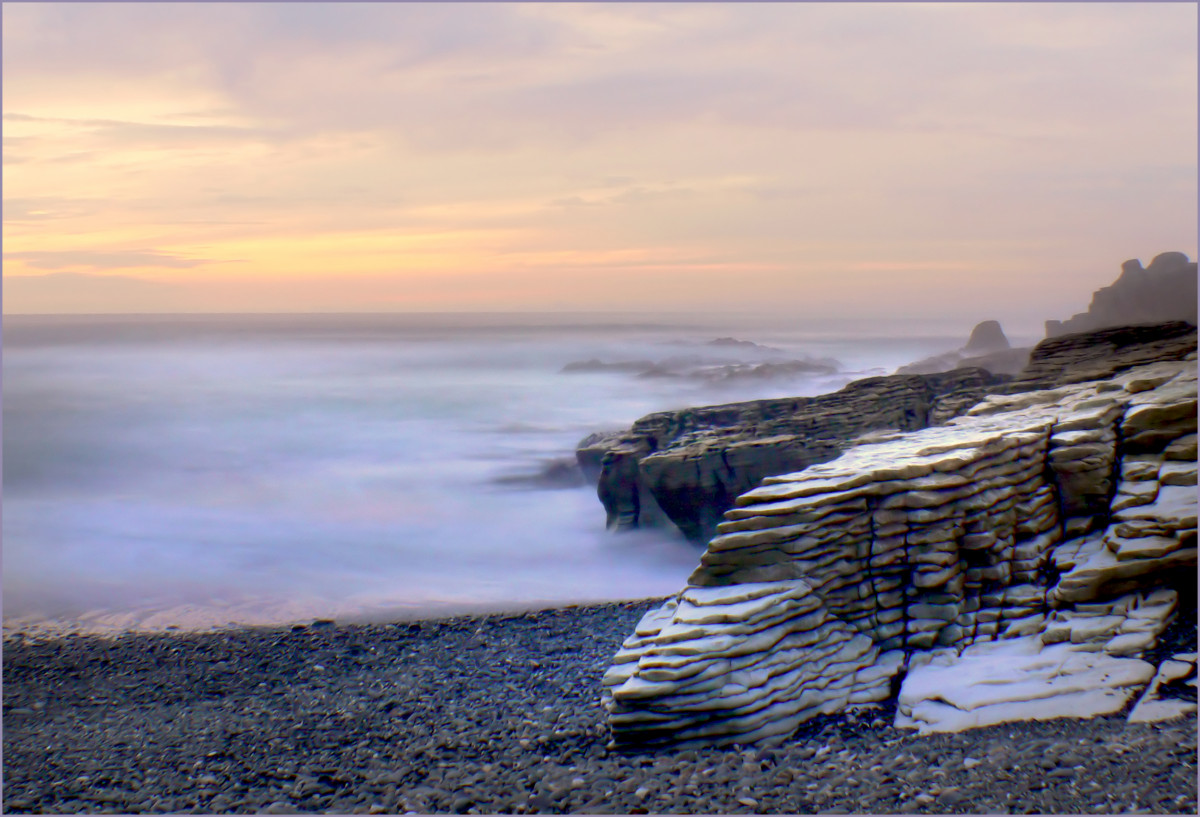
[816, 159]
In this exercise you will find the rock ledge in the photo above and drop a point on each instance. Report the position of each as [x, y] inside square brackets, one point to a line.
[1048, 527]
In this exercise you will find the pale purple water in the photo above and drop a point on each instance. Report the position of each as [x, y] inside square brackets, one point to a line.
[200, 471]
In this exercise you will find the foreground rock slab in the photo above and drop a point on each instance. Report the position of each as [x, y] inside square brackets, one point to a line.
[1011, 532]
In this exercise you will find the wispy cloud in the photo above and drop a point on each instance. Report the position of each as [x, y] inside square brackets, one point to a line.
[47, 208]
[103, 260]
[133, 134]
[912, 266]
[629, 195]
[822, 141]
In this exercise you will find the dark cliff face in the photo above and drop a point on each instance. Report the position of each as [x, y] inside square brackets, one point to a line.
[1164, 291]
[687, 467]
[987, 348]
[986, 337]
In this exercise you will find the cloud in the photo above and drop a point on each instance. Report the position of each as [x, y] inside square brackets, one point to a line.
[449, 77]
[62, 259]
[768, 133]
[629, 195]
[131, 134]
[47, 208]
[573, 201]
[911, 266]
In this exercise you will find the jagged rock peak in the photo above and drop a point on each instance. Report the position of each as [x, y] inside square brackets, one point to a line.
[1169, 261]
[1131, 269]
[1164, 291]
[987, 336]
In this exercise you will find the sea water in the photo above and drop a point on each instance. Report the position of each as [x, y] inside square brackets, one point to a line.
[200, 471]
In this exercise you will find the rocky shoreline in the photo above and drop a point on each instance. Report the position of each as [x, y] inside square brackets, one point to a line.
[1014, 563]
[501, 714]
[685, 468]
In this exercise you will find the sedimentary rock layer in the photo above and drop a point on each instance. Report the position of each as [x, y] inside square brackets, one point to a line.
[687, 467]
[1101, 353]
[1042, 519]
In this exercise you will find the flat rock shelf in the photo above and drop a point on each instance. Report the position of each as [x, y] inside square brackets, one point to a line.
[502, 714]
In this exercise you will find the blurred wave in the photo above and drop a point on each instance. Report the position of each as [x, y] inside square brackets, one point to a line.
[201, 470]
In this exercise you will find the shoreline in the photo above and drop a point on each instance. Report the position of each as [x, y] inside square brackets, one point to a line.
[497, 713]
[50, 629]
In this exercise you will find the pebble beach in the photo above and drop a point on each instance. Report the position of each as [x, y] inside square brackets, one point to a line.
[488, 714]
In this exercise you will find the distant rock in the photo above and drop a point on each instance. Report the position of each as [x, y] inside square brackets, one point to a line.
[737, 372]
[713, 370]
[1164, 291]
[987, 337]
[597, 365]
[734, 343]
[987, 348]
[730, 373]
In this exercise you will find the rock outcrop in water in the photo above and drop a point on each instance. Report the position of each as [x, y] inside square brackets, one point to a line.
[1164, 291]
[713, 370]
[1013, 563]
[987, 336]
[688, 466]
[987, 348]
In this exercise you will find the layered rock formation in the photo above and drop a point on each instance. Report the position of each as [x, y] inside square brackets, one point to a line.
[1101, 354]
[689, 465]
[1164, 291]
[686, 467]
[1012, 563]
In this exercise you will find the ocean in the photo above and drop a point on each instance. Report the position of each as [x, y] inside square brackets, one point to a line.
[198, 471]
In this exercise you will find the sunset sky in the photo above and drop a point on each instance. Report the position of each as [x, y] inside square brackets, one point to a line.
[819, 159]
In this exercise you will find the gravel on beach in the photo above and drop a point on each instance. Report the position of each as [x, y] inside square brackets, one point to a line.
[498, 714]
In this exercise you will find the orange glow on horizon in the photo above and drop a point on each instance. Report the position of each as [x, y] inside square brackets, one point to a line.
[242, 157]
